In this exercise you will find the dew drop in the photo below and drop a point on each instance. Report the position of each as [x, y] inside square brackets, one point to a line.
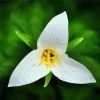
[63, 42]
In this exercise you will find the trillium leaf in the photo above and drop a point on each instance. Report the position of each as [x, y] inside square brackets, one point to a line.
[47, 79]
[74, 43]
[27, 39]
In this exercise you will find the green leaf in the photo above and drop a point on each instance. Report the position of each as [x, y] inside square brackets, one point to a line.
[74, 43]
[27, 39]
[47, 79]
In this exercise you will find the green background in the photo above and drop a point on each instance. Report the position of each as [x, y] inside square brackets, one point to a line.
[30, 17]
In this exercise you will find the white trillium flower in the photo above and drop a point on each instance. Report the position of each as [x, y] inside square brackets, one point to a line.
[50, 57]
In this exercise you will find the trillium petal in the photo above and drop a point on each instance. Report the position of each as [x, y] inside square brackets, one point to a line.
[55, 34]
[73, 72]
[28, 70]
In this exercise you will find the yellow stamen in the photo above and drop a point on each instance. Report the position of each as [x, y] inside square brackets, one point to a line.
[48, 57]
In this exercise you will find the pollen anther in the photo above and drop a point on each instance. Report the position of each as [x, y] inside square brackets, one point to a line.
[48, 57]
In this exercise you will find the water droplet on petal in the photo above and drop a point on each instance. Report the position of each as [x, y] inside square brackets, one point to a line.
[63, 42]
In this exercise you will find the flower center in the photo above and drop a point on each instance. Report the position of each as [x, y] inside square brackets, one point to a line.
[48, 57]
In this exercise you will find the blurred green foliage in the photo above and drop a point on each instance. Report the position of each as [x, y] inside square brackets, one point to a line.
[30, 17]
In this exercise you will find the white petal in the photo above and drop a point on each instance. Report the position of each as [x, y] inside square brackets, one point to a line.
[55, 34]
[28, 70]
[73, 72]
